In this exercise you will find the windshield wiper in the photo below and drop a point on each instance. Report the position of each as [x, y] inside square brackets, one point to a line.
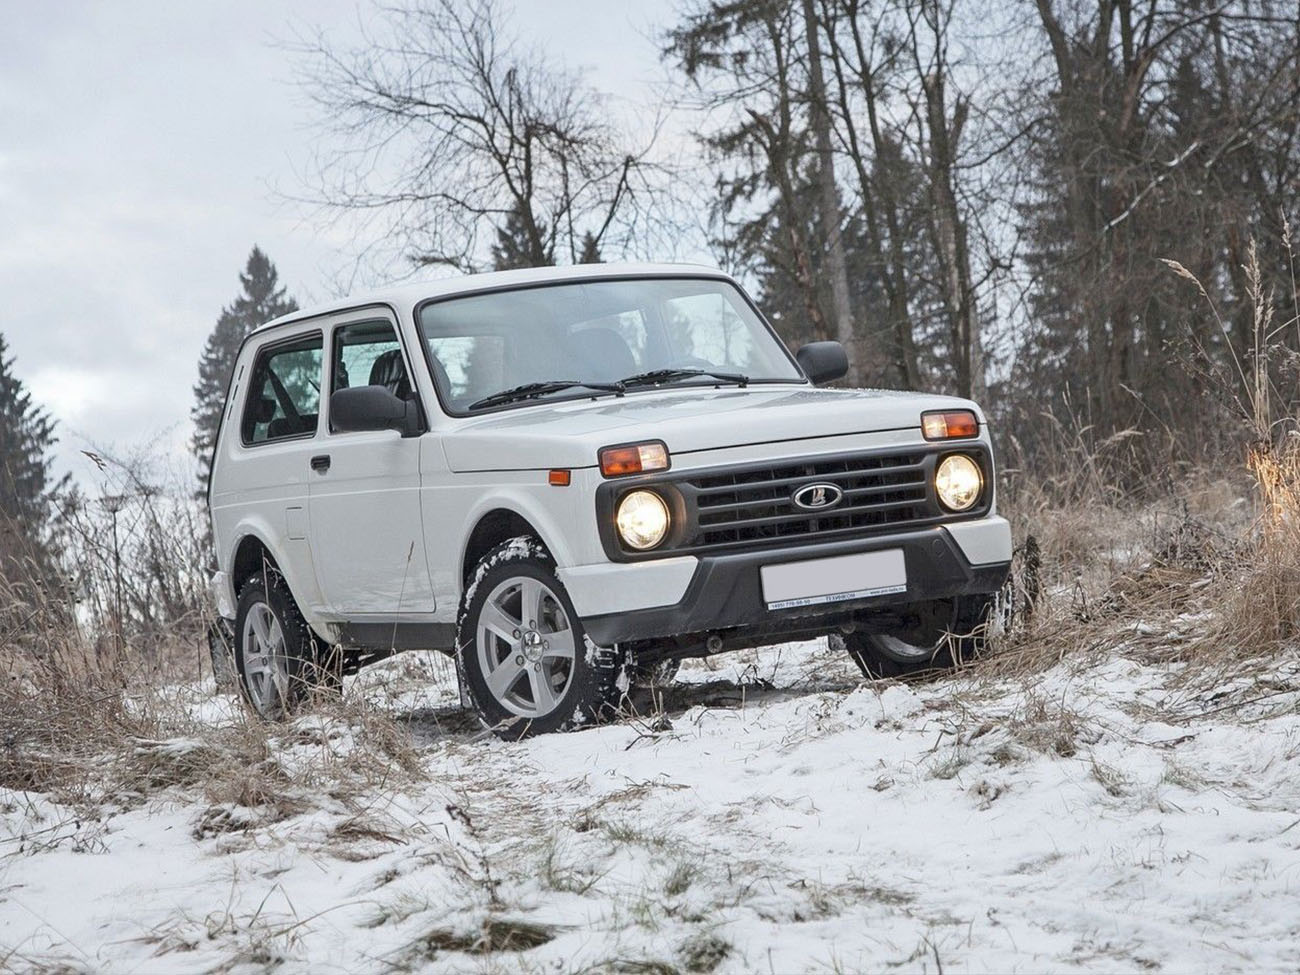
[657, 377]
[533, 390]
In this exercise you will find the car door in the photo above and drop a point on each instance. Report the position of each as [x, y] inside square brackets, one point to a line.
[364, 490]
[267, 448]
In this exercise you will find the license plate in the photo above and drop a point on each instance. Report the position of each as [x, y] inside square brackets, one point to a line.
[816, 581]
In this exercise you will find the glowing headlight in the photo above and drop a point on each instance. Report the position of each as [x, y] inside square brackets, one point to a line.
[642, 520]
[958, 482]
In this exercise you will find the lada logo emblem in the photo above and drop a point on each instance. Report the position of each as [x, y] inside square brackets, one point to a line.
[817, 497]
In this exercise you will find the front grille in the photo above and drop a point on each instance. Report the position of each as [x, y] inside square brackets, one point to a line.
[755, 504]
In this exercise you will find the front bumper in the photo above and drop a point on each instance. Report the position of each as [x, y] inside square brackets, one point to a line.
[725, 591]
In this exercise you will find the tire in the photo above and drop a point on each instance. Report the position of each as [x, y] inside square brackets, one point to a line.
[942, 633]
[277, 658]
[525, 660]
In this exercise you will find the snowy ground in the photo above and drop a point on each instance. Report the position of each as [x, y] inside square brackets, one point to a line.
[784, 818]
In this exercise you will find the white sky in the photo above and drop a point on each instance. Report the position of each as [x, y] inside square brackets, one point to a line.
[141, 144]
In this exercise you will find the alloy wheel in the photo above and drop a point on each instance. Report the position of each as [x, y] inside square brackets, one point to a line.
[266, 665]
[919, 642]
[526, 647]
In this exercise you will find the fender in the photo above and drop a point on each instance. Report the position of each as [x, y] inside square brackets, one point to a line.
[530, 509]
[547, 509]
[299, 577]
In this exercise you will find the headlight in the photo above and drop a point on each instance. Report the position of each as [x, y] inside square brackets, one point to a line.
[642, 520]
[958, 482]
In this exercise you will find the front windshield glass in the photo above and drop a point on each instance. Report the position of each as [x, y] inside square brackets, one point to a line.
[597, 331]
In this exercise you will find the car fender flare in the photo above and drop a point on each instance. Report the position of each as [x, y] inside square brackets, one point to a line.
[305, 591]
[520, 504]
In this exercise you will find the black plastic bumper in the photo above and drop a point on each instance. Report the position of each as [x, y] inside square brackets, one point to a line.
[726, 592]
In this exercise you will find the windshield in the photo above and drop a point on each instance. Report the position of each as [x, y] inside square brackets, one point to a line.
[597, 332]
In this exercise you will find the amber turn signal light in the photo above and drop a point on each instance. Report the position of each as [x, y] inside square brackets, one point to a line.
[560, 478]
[634, 459]
[951, 425]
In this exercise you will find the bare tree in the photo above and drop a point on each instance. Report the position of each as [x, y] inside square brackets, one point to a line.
[922, 174]
[942, 128]
[745, 62]
[828, 196]
[442, 126]
[1172, 133]
[858, 71]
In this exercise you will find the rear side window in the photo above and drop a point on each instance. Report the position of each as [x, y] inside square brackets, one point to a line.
[284, 392]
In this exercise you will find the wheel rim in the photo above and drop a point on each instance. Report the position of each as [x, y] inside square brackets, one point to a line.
[266, 665]
[526, 647]
[904, 652]
[921, 641]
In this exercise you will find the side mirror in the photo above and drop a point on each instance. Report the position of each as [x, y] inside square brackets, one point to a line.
[373, 408]
[823, 362]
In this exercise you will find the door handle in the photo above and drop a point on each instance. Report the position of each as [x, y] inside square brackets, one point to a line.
[321, 462]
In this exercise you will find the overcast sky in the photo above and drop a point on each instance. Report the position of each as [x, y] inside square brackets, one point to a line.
[141, 147]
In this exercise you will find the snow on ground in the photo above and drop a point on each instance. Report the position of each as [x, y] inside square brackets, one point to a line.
[783, 818]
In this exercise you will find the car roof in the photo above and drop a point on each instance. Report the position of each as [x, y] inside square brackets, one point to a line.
[405, 297]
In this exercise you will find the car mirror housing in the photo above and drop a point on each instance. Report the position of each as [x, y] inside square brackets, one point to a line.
[823, 362]
[373, 408]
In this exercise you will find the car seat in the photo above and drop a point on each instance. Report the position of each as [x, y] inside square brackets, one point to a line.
[390, 371]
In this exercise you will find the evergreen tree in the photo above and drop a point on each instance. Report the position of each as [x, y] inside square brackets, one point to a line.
[521, 242]
[263, 299]
[590, 250]
[26, 489]
[26, 437]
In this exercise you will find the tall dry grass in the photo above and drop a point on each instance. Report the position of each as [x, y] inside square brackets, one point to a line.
[105, 681]
[1195, 561]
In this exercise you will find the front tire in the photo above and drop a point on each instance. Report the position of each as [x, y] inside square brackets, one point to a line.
[524, 656]
[939, 635]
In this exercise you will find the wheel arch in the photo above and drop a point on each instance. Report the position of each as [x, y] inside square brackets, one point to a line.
[250, 553]
[492, 528]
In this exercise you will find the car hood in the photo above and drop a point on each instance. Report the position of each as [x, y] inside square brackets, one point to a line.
[687, 420]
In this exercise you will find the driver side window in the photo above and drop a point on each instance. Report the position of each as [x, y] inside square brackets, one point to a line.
[284, 394]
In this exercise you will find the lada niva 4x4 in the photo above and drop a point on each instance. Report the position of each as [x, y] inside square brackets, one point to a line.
[574, 478]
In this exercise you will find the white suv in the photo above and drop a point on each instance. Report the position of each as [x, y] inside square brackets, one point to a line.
[571, 478]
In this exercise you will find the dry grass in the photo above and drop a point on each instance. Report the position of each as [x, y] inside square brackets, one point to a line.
[1260, 608]
[88, 726]
[1208, 581]
[1195, 564]
[99, 698]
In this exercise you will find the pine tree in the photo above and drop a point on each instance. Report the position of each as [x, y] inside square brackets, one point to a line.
[521, 242]
[263, 299]
[590, 250]
[26, 486]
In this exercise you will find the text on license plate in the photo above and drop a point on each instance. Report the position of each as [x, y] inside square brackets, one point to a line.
[834, 580]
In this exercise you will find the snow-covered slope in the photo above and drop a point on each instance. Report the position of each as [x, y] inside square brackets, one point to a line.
[784, 817]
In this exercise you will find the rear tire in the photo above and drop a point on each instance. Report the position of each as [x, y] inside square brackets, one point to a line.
[277, 657]
[525, 659]
[942, 634]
